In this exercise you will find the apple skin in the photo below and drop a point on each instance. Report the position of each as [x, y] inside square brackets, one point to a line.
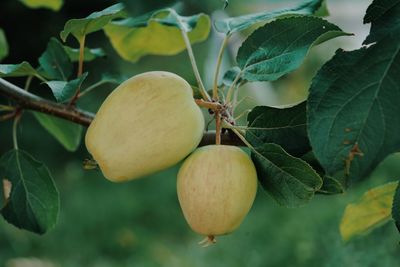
[216, 188]
[148, 123]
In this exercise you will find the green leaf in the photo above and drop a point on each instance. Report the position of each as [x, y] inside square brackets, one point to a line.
[283, 126]
[17, 70]
[156, 33]
[331, 186]
[146, 6]
[54, 5]
[353, 121]
[113, 78]
[396, 208]
[236, 24]
[385, 19]
[89, 54]
[196, 92]
[281, 46]
[230, 76]
[371, 211]
[67, 133]
[378, 8]
[105, 78]
[64, 91]
[33, 204]
[92, 23]
[55, 61]
[289, 180]
[3, 45]
[322, 11]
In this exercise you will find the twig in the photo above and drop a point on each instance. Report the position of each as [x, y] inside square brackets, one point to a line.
[27, 100]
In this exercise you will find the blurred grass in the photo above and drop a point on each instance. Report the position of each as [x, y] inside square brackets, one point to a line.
[139, 223]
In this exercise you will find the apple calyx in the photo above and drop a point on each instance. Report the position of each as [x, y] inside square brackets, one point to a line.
[208, 241]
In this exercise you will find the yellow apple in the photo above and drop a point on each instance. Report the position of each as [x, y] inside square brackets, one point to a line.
[147, 124]
[216, 188]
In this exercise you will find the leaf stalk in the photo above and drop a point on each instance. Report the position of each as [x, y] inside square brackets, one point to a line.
[189, 49]
[218, 66]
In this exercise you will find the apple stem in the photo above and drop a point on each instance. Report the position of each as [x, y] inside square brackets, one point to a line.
[214, 106]
[211, 239]
[90, 164]
[217, 127]
[220, 112]
[208, 241]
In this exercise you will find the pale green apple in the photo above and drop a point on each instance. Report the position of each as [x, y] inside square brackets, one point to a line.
[216, 187]
[147, 124]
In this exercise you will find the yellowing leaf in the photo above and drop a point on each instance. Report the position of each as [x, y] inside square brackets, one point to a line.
[371, 211]
[396, 208]
[157, 33]
[54, 5]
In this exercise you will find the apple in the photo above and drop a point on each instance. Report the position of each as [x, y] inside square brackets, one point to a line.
[148, 123]
[216, 188]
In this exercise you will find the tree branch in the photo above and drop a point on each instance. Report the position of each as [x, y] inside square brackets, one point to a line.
[27, 100]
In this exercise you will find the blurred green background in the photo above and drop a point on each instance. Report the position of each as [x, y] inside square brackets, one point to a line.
[139, 223]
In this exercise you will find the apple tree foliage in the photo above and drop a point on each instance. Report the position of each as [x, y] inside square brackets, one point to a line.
[347, 126]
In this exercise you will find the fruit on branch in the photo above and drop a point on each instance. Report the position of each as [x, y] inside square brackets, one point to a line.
[147, 124]
[216, 186]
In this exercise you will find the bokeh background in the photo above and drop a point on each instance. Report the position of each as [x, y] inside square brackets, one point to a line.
[139, 223]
